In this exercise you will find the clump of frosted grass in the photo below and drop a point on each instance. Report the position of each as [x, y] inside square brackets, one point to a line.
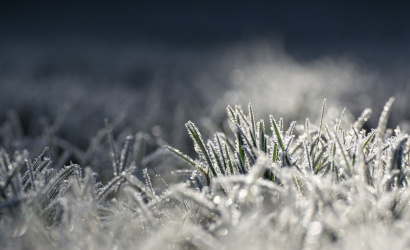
[259, 186]
[307, 186]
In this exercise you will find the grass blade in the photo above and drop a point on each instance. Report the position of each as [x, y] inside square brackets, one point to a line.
[199, 145]
[381, 127]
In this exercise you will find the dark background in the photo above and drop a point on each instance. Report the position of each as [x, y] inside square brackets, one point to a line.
[309, 28]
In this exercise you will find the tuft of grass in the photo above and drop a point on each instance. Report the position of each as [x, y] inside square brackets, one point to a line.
[317, 185]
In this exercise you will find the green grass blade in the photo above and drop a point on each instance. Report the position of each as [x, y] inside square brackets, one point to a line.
[199, 144]
[277, 132]
[229, 160]
[278, 137]
[221, 152]
[216, 157]
[369, 138]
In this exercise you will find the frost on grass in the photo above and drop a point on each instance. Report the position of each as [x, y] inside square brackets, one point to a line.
[308, 186]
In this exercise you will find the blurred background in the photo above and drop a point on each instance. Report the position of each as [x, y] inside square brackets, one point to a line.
[158, 64]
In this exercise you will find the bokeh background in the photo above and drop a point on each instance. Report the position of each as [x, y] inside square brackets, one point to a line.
[158, 64]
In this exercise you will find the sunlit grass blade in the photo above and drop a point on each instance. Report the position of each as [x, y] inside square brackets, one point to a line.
[364, 117]
[289, 132]
[322, 117]
[199, 145]
[253, 124]
[381, 127]
[341, 120]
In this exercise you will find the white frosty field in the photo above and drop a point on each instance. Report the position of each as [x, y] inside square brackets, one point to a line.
[234, 177]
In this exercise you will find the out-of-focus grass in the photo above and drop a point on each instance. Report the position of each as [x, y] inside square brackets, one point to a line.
[67, 91]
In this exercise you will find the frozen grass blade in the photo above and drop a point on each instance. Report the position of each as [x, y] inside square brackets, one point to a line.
[34, 167]
[344, 154]
[289, 132]
[112, 186]
[277, 133]
[322, 117]
[30, 170]
[381, 127]
[274, 152]
[216, 157]
[54, 185]
[147, 179]
[262, 138]
[252, 120]
[307, 130]
[228, 157]
[199, 145]
[221, 152]
[246, 143]
[279, 138]
[316, 165]
[240, 114]
[362, 119]
[341, 120]
[397, 161]
[239, 139]
[231, 114]
[369, 138]
[184, 157]
[240, 164]
[6, 165]
[308, 156]
[129, 142]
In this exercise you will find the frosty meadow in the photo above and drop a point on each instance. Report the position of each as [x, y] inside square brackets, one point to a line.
[204, 125]
[330, 185]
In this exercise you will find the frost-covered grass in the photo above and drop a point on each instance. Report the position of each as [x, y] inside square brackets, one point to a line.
[256, 184]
